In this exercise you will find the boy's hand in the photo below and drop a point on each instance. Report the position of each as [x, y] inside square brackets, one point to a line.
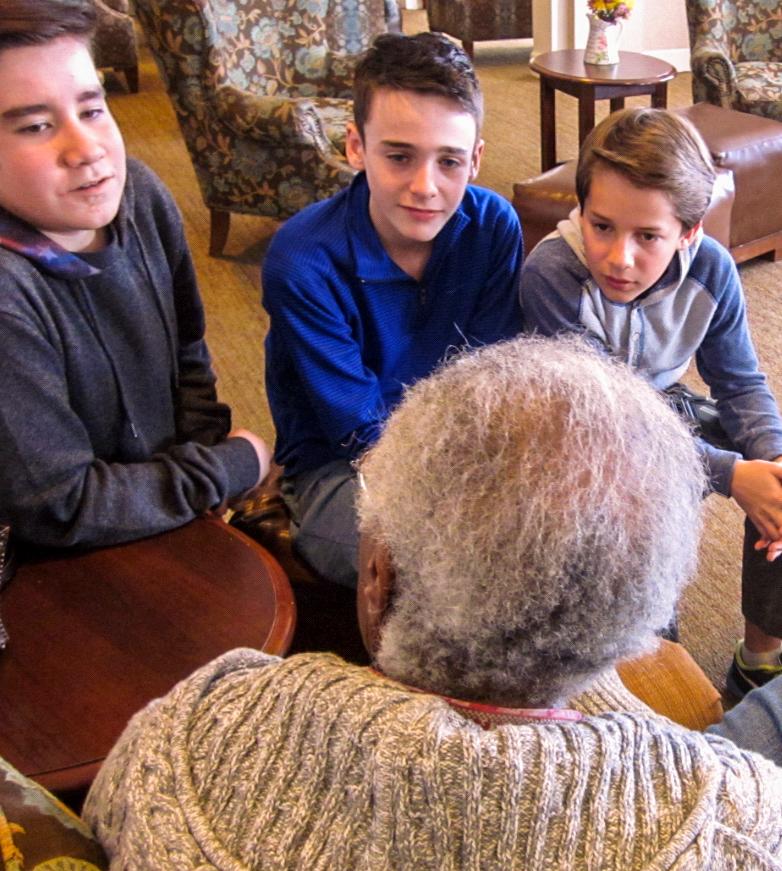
[757, 487]
[773, 548]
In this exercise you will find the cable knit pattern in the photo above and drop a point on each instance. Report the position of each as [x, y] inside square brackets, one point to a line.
[254, 762]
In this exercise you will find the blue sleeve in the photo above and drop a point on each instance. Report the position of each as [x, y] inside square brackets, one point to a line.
[549, 292]
[308, 321]
[719, 465]
[756, 722]
[498, 316]
[727, 362]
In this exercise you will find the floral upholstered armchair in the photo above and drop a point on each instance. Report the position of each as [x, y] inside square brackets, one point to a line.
[261, 90]
[736, 54]
[477, 20]
[114, 44]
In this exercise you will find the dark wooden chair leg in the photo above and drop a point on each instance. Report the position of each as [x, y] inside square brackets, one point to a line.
[219, 224]
[131, 77]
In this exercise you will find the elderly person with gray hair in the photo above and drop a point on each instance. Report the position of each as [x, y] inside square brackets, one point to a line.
[529, 517]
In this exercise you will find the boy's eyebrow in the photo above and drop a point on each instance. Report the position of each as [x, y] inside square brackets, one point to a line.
[598, 217]
[35, 108]
[448, 149]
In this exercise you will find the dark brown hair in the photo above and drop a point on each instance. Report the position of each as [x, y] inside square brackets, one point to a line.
[651, 148]
[35, 22]
[428, 63]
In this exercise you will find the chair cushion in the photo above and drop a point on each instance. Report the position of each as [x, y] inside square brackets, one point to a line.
[759, 88]
[39, 832]
[751, 147]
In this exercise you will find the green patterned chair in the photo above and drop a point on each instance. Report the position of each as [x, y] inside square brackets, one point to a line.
[261, 90]
[736, 54]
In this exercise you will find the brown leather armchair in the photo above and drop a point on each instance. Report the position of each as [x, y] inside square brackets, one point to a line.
[744, 214]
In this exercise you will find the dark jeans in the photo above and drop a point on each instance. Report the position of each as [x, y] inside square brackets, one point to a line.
[323, 520]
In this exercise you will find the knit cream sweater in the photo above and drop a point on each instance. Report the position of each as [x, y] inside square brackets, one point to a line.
[310, 763]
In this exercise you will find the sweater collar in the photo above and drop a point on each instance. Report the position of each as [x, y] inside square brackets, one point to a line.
[491, 716]
[370, 257]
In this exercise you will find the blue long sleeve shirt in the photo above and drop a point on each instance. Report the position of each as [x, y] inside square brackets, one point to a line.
[695, 309]
[349, 328]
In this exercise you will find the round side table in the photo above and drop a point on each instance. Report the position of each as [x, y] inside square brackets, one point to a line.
[566, 71]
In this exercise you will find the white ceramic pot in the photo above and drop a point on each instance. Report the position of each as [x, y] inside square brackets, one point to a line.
[603, 42]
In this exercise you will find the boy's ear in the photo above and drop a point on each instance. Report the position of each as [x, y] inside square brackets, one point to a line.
[354, 147]
[475, 161]
[689, 235]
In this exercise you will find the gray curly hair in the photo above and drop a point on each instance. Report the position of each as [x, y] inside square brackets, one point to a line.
[542, 507]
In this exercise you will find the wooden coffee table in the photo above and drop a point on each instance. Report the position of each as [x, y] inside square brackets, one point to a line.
[95, 636]
[566, 71]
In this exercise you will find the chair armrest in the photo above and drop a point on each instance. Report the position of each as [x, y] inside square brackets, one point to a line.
[280, 121]
[120, 6]
[712, 68]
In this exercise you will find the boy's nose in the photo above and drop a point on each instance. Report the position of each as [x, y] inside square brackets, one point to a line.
[621, 254]
[423, 183]
[80, 147]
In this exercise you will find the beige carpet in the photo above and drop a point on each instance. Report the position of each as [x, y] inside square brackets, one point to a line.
[710, 618]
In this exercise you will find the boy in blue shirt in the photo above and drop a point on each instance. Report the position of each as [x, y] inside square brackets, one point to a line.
[368, 291]
[633, 270]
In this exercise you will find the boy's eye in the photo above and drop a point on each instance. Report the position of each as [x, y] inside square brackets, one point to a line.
[601, 227]
[397, 157]
[35, 127]
[649, 237]
[450, 163]
[90, 114]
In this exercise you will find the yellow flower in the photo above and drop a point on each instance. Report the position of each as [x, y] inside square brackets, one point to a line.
[611, 10]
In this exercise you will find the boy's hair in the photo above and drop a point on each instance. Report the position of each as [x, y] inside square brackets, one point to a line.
[428, 63]
[35, 22]
[651, 148]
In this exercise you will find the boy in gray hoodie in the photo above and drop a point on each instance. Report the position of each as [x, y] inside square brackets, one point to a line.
[110, 428]
[632, 269]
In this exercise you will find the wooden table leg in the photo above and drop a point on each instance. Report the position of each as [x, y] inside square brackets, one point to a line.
[617, 103]
[586, 115]
[548, 129]
[660, 96]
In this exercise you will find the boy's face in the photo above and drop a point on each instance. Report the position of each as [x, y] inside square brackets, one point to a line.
[62, 159]
[419, 152]
[630, 235]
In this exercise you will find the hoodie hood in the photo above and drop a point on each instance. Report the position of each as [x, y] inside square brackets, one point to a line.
[22, 238]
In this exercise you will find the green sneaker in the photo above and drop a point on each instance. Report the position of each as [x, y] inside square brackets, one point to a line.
[742, 678]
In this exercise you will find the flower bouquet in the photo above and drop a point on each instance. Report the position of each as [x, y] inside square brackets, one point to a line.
[610, 10]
